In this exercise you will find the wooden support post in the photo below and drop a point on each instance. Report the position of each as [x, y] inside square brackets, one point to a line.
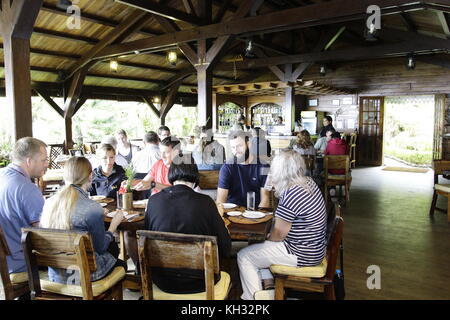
[16, 25]
[204, 79]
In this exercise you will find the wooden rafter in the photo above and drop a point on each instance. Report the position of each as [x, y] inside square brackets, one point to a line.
[162, 10]
[445, 22]
[50, 101]
[313, 15]
[149, 102]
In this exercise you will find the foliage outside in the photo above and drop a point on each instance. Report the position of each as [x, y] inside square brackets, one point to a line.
[408, 129]
[98, 118]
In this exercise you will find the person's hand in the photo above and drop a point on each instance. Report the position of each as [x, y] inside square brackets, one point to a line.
[118, 217]
[142, 185]
[220, 208]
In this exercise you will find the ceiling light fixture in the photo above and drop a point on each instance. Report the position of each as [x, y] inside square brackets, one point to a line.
[64, 4]
[249, 49]
[371, 33]
[323, 70]
[114, 65]
[172, 57]
[411, 62]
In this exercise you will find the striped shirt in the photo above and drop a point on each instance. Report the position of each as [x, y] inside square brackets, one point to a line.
[307, 213]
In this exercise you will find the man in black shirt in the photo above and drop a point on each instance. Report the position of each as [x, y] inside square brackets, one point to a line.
[180, 209]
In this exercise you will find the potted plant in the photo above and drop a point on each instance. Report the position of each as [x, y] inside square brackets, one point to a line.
[127, 192]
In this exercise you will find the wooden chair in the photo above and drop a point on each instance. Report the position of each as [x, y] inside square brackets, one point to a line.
[209, 179]
[440, 167]
[310, 163]
[174, 250]
[54, 150]
[352, 150]
[66, 249]
[317, 279]
[341, 180]
[16, 284]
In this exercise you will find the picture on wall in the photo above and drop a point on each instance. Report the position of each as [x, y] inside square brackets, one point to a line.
[313, 102]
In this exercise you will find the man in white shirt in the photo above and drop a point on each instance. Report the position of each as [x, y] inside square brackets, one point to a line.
[144, 160]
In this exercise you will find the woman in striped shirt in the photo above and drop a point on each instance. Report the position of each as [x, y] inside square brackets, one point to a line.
[298, 235]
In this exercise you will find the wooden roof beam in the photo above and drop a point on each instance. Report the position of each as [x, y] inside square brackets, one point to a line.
[313, 15]
[162, 10]
[445, 22]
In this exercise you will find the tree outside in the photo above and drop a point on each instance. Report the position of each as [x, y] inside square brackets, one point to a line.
[408, 129]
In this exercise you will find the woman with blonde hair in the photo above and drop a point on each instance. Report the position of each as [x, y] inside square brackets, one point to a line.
[304, 145]
[298, 235]
[71, 209]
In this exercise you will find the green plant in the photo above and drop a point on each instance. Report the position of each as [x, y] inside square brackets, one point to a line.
[130, 174]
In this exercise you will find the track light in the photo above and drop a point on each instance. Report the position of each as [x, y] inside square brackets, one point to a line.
[172, 57]
[249, 49]
[323, 70]
[411, 62]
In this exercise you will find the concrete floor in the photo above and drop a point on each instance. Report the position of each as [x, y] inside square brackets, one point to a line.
[387, 225]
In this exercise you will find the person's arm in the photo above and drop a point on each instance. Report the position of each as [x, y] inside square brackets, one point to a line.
[32, 204]
[265, 198]
[280, 230]
[145, 183]
[222, 195]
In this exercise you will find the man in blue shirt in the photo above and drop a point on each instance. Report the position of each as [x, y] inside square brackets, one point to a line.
[242, 174]
[21, 201]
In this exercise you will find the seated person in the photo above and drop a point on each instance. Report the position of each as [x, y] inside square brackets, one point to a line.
[259, 145]
[21, 201]
[241, 174]
[163, 132]
[124, 147]
[189, 212]
[321, 143]
[298, 237]
[71, 209]
[208, 154]
[304, 145]
[170, 149]
[108, 177]
[336, 147]
[144, 160]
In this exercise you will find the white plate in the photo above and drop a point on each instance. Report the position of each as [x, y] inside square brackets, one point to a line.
[113, 213]
[103, 204]
[253, 214]
[229, 205]
[234, 213]
[97, 198]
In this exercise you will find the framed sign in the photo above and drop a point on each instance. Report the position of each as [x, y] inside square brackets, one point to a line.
[313, 102]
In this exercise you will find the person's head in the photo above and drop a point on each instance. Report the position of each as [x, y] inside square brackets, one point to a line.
[239, 145]
[183, 173]
[288, 169]
[241, 119]
[111, 140]
[327, 120]
[279, 120]
[163, 132]
[58, 209]
[335, 135]
[170, 149]
[31, 154]
[121, 137]
[328, 134]
[304, 139]
[107, 156]
[206, 133]
[151, 137]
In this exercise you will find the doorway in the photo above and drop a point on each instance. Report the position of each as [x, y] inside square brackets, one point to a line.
[408, 130]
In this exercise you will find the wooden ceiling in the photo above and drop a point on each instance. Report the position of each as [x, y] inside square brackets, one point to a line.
[294, 32]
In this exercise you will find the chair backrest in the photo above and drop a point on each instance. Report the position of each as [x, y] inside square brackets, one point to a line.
[54, 151]
[336, 227]
[336, 162]
[209, 179]
[4, 251]
[440, 167]
[175, 250]
[63, 249]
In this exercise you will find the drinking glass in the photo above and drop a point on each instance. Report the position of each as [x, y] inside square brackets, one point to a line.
[119, 201]
[251, 200]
